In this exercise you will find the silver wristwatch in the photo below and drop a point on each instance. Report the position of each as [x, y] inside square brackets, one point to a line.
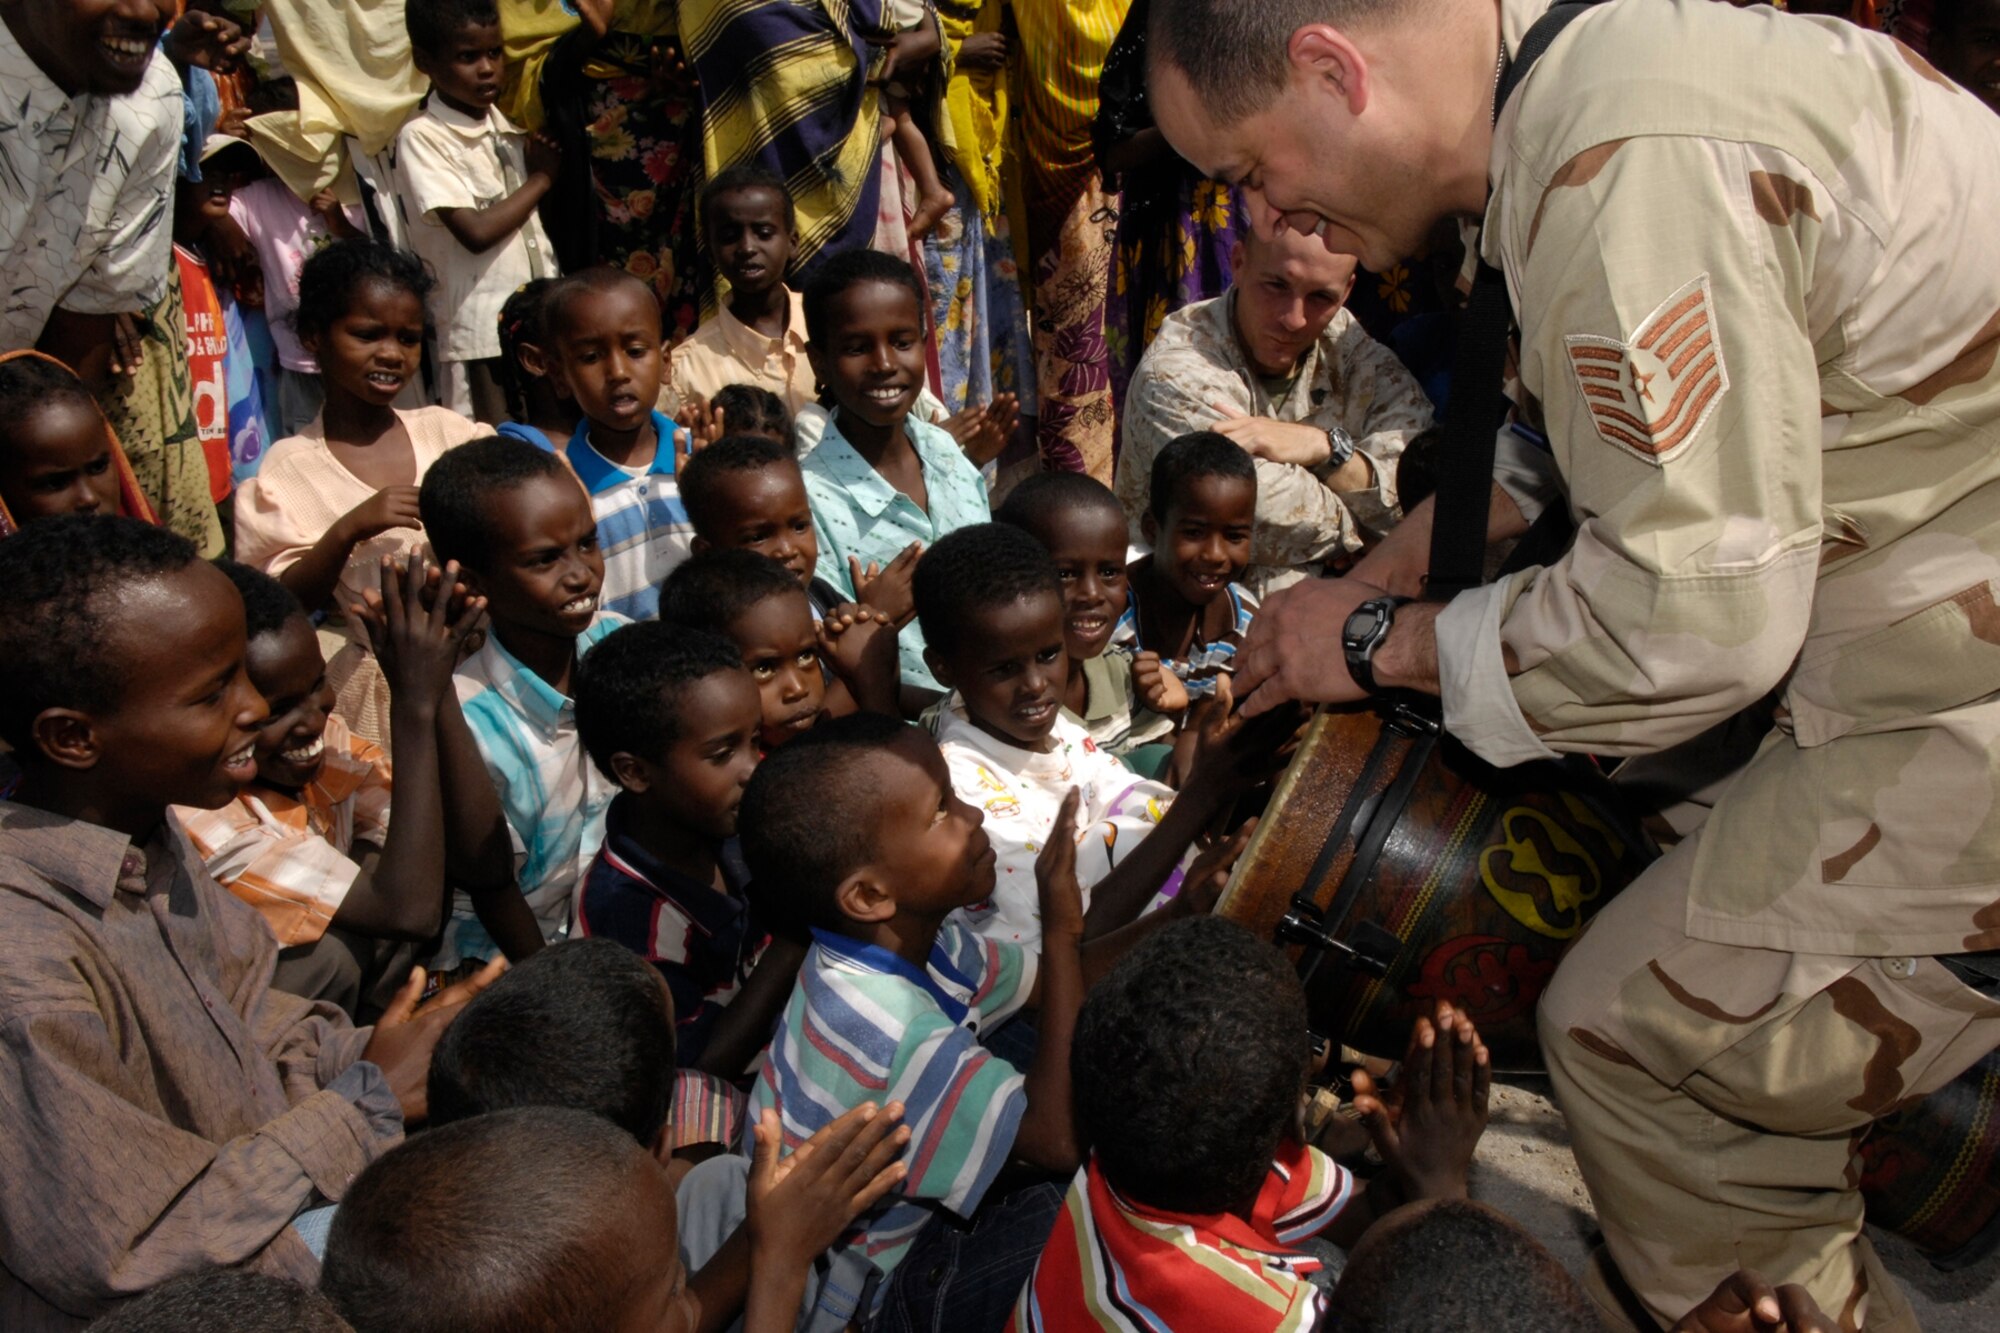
[1340, 446]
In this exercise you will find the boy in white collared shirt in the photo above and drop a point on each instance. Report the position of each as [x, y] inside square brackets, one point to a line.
[469, 183]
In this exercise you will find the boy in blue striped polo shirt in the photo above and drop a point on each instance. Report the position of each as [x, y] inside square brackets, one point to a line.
[854, 833]
[605, 352]
[521, 529]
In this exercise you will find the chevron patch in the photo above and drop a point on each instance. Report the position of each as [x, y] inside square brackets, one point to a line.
[1652, 393]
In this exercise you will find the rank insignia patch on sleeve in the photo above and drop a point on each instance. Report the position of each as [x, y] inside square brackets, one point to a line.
[1650, 395]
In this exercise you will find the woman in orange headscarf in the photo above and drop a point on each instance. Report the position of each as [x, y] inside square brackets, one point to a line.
[58, 454]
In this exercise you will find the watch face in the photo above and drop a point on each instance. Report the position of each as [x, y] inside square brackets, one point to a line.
[1360, 631]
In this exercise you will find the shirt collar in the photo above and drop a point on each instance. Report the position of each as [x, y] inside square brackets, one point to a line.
[89, 860]
[752, 346]
[875, 958]
[713, 913]
[527, 693]
[866, 488]
[1225, 1227]
[599, 474]
[1308, 364]
[470, 127]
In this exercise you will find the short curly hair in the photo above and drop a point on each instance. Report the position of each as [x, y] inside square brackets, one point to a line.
[455, 498]
[851, 268]
[1188, 1063]
[975, 569]
[267, 603]
[1039, 504]
[707, 472]
[62, 582]
[433, 23]
[751, 409]
[329, 280]
[629, 686]
[1199, 453]
[712, 590]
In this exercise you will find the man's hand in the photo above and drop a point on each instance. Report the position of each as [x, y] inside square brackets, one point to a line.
[128, 345]
[207, 40]
[887, 587]
[1293, 648]
[1276, 441]
[1746, 1303]
[1439, 1108]
[1055, 874]
[405, 1036]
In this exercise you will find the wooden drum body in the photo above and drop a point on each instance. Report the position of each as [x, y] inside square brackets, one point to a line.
[1400, 869]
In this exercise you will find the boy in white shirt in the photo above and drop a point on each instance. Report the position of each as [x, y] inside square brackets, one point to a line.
[469, 183]
[990, 601]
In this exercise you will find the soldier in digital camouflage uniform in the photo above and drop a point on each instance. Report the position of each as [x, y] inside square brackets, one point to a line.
[1758, 287]
[1202, 372]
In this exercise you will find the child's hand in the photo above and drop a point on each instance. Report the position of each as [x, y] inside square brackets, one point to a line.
[543, 157]
[887, 588]
[859, 643]
[206, 40]
[983, 432]
[128, 344]
[1159, 689]
[419, 628]
[1055, 874]
[390, 507]
[405, 1035]
[1208, 876]
[800, 1206]
[1746, 1303]
[983, 50]
[1232, 752]
[1440, 1107]
[704, 424]
[326, 204]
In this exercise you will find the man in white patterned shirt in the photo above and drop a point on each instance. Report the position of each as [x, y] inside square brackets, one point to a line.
[89, 138]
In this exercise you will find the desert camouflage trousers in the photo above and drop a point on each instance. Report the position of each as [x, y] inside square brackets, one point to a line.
[1717, 1094]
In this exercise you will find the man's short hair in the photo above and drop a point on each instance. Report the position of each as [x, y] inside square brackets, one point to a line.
[1455, 1266]
[1040, 503]
[456, 497]
[809, 818]
[226, 1300]
[747, 176]
[585, 1024]
[433, 23]
[515, 1222]
[712, 590]
[62, 581]
[704, 475]
[629, 687]
[1235, 56]
[974, 569]
[1188, 1063]
[1199, 453]
[267, 603]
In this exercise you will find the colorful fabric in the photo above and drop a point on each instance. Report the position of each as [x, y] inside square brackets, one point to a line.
[554, 798]
[784, 83]
[1062, 46]
[290, 855]
[132, 501]
[84, 220]
[447, 159]
[529, 30]
[865, 1025]
[979, 324]
[152, 411]
[207, 345]
[285, 233]
[643, 530]
[1072, 361]
[706, 1109]
[976, 108]
[1114, 1265]
[725, 351]
[1205, 658]
[1020, 792]
[857, 513]
[244, 373]
[704, 941]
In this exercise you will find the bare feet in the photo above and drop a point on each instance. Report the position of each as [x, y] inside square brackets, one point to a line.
[932, 205]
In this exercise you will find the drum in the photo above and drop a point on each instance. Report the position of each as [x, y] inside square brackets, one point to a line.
[1400, 869]
[1931, 1172]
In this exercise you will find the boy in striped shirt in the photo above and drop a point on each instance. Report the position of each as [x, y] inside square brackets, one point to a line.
[853, 831]
[1200, 1206]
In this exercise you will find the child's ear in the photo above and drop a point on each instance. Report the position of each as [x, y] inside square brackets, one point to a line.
[940, 669]
[1149, 529]
[698, 545]
[631, 772]
[532, 360]
[865, 898]
[66, 738]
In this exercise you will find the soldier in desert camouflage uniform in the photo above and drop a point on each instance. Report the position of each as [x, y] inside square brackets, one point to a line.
[1758, 290]
[1275, 363]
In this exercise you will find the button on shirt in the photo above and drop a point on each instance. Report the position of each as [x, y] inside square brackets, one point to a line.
[447, 159]
[162, 1109]
[553, 796]
[858, 513]
[725, 351]
[86, 195]
[642, 526]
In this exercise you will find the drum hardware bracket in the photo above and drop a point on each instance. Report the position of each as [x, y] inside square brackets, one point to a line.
[1371, 951]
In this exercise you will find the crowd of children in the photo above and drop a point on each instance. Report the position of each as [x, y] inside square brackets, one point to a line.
[647, 831]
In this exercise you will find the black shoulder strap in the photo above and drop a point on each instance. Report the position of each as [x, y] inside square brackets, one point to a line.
[1479, 367]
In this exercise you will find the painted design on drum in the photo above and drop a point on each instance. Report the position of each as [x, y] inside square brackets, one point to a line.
[1541, 874]
[1492, 980]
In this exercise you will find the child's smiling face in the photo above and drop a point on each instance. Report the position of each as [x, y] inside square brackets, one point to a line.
[873, 358]
[1204, 542]
[1010, 668]
[1088, 546]
[542, 569]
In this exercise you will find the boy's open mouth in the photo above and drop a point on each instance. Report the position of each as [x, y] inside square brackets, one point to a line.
[387, 380]
[580, 606]
[304, 754]
[242, 765]
[1036, 714]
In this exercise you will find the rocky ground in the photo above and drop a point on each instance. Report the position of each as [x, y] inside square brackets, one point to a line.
[1525, 1169]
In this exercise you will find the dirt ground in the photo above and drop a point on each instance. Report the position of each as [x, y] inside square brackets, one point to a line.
[1525, 1169]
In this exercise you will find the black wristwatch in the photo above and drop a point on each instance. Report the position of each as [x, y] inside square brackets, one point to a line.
[1366, 627]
